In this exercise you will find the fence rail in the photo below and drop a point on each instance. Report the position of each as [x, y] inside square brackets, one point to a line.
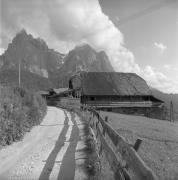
[122, 157]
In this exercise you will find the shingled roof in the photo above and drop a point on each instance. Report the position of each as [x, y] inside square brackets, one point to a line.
[113, 83]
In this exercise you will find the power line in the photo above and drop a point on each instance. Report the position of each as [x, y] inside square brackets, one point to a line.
[146, 11]
[136, 15]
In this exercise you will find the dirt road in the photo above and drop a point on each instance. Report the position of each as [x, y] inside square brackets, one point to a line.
[52, 150]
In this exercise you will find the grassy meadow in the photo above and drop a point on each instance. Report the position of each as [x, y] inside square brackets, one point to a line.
[159, 148]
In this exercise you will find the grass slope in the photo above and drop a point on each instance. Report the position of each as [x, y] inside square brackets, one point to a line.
[167, 98]
[159, 148]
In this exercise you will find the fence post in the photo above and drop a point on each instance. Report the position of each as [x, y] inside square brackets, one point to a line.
[106, 119]
[137, 144]
[104, 130]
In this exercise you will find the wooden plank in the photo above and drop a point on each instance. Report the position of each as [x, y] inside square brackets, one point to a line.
[133, 160]
[134, 164]
[112, 158]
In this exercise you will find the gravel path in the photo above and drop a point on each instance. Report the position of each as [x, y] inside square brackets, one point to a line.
[49, 151]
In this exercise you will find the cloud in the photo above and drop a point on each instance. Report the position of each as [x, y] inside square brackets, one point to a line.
[2, 50]
[158, 80]
[172, 68]
[65, 24]
[167, 67]
[160, 46]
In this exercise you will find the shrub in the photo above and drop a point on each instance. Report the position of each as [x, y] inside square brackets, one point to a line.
[20, 110]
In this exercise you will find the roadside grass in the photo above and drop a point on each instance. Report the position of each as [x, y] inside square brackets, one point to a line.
[96, 164]
[92, 162]
[19, 111]
[159, 148]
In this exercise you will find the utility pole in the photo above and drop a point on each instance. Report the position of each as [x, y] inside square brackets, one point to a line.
[19, 72]
[171, 112]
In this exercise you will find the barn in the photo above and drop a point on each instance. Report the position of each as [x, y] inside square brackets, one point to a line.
[113, 91]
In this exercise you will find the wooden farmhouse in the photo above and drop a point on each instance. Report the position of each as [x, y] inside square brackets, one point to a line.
[118, 92]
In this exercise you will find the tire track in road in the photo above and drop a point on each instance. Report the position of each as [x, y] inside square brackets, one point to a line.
[45, 174]
[67, 170]
[50, 151]
[59, 158]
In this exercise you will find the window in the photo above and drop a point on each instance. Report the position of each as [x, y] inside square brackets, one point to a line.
[92, 98]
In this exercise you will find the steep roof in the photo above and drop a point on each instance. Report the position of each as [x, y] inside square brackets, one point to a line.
[113, 83]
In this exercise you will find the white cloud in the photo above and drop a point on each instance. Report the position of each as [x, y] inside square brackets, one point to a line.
[172, 68]
[2, 50]
[160, 46]
[167, 67]
[64, 24]
[158, 80]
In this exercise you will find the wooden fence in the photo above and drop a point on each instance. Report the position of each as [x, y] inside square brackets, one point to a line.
[122, 157]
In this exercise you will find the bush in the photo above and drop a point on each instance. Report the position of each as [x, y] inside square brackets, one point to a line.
[20, 110]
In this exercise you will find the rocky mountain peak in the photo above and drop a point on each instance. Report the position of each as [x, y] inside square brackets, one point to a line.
[21, 36]
[83, 58]
[86, 56]
[22, 33]
[33, 54]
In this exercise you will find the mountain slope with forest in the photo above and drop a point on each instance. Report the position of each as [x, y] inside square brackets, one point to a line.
[167, 98]
[29, 80]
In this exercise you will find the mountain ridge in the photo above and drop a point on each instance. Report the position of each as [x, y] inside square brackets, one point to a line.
[34, 56]
[82, 58]
[30, 81]
[32, 53]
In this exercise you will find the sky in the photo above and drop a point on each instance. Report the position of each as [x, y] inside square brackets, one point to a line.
[138, 36]
[150, 31]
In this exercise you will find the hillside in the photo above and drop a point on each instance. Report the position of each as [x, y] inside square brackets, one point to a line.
[167, 98]
[159, 141]
[29, 80]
